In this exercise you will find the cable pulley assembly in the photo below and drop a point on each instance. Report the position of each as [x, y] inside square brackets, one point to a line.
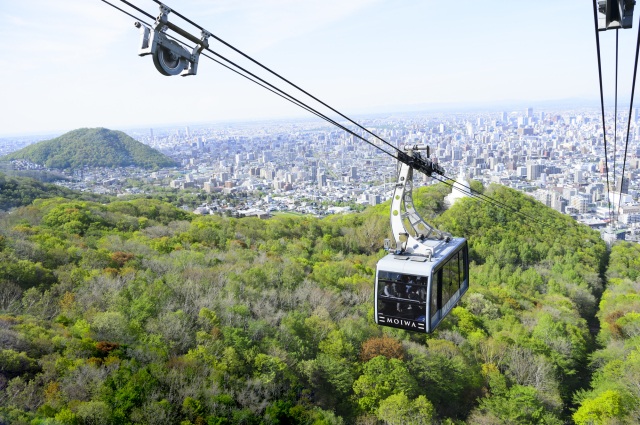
[615, 14]
[169, 56]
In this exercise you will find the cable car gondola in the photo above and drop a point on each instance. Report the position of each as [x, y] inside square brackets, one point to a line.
[420, 281]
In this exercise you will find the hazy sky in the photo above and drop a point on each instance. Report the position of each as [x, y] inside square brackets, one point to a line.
[73, 63]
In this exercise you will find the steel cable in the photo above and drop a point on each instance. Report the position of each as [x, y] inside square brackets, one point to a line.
[263, 83]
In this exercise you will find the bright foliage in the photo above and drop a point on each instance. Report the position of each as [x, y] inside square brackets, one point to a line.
[137, 312]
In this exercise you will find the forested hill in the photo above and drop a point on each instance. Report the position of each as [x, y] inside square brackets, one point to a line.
[92, 147]
[137, 312]
[22, 191]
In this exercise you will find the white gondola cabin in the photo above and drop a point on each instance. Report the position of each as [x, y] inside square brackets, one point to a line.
[416, 293]
[420, 281]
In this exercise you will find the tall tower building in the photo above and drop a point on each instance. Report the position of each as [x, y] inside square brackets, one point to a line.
[622, 185]
[322, 180]
[534, 171]
[529, 113]
[151, 133]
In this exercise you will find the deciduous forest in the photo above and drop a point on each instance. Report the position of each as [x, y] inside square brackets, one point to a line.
[136, 312]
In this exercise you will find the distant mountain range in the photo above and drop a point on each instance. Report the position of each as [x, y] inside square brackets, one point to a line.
[92, 147]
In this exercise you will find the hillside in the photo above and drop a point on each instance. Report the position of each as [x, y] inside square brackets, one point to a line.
[137, 312]
[22, 191]
[92, 147]
[614, 393]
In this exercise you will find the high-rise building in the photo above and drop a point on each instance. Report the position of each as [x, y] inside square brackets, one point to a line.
[622, 184]
[580, 203]
[151, 133]
[529, 113]
[534, 171]
[469, 129]
[602, 166]
[322, 180]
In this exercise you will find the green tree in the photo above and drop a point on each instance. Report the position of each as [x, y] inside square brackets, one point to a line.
[397, 409]
[382, 377]
[609, 407]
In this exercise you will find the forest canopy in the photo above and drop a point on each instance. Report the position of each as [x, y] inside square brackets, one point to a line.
[138, 312]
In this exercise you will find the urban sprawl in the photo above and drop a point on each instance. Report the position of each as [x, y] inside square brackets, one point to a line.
[312, 168]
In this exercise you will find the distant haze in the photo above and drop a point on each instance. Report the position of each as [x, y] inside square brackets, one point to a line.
[75, 65]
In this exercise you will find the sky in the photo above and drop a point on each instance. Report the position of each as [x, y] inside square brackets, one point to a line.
[73, 63]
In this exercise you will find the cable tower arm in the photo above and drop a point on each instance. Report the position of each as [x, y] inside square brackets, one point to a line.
[423, 238]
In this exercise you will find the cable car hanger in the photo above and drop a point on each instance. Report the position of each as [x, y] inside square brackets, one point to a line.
[402, 208]
[426, 274]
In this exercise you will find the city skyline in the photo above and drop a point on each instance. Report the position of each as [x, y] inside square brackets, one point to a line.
[554, 157]
[76, 65]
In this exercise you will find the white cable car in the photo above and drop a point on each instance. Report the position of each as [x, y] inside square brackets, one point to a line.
[420, 281]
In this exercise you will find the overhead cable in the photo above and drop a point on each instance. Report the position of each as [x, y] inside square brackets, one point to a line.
[265, 84]
[604, 127]
[615, 121]
[493, 201]
[633, 89]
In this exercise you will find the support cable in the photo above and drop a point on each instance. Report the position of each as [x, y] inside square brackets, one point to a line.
[291, 84]
[483, 197]
[493, 201]
[127, 13]
[633, 89]
[240, 52]
[615, 122]
[604, 128]
[261, 82]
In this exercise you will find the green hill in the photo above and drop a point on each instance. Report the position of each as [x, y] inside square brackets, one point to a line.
[22, 191]
[92, 147]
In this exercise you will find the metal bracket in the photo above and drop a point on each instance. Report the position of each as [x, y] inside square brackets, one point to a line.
[615, 14]
[169, 56]
[424, 236]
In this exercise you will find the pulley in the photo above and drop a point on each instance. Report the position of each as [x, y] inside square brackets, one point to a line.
[169, 56]
[615, 14]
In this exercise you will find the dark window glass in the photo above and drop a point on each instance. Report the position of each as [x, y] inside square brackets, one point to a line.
[464, 269]
[446, 283]
[436, 293]
[402, 296]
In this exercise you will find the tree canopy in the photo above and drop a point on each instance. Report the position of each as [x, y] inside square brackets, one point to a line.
[135, 311]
